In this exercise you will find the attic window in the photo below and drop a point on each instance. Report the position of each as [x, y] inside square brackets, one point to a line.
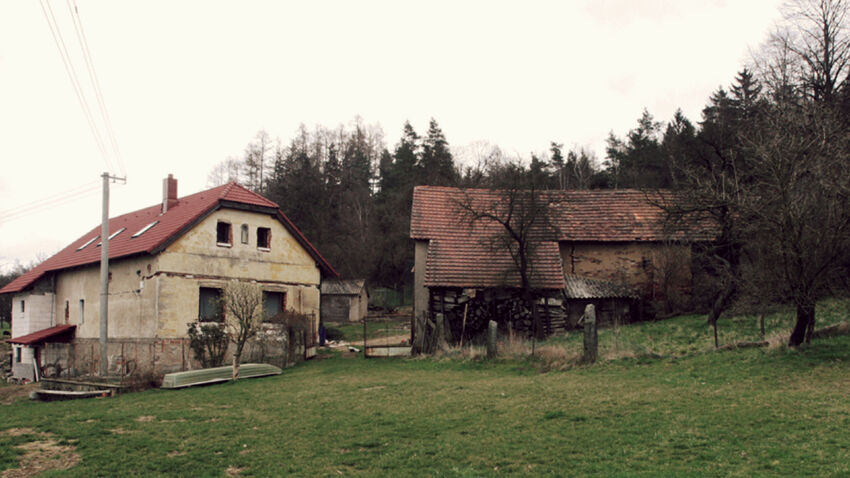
[88, 243]
[145, 229]
[223, 236]
[112, 236]
[264, 238]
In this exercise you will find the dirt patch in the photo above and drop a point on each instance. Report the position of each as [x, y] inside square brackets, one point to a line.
[16, 432]
[234, 471]
[176, 453]
[40, 455]
[146, 418]
[12, 393]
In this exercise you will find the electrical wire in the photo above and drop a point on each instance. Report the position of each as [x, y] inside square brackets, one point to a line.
[55, 200]
[104, 113]
[72, 75]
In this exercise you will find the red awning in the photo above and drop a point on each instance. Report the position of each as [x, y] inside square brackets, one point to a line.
[60, 332]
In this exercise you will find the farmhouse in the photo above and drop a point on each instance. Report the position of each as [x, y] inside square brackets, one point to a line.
[168, 265]
[609, 247]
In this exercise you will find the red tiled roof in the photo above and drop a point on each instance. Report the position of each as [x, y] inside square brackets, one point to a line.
[172, 224]
[464, 253]
[42, 335]
[469, 263]
[459, 254]
[611, 215]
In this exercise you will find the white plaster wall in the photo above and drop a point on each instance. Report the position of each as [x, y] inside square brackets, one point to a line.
[37, 314]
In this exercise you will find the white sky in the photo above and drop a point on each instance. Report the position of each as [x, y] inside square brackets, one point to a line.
[188, 83]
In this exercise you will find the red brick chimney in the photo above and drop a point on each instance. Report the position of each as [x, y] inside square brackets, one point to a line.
[169, 193]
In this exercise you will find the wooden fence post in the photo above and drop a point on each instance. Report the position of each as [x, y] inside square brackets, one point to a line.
[591, 340]
[492, 334]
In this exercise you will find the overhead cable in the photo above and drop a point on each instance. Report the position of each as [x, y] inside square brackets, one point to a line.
[104, 113]
[72, 75]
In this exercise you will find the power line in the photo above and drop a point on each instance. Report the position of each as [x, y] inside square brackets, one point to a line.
[72, 75]
[55, 200]
[84, 46]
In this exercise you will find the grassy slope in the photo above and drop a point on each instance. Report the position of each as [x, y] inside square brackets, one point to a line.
[747, 412]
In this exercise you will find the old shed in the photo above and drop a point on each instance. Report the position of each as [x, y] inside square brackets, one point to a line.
[344, 300]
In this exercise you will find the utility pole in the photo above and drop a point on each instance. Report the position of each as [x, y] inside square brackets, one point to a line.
[104, 273]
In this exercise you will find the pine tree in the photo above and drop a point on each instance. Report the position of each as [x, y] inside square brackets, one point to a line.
[436, 162]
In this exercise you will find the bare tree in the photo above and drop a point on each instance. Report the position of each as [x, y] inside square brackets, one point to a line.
[798, 208]
[231, 169]
[809, 51]
[244, 305]
[257, 161]
[515, 220]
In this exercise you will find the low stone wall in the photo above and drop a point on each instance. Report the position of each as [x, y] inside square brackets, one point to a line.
[126, 357]
[157, 357]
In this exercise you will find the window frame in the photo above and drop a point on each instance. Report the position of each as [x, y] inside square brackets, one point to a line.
[218, 234]
[266, 295]
[219, 319]
[267, 236]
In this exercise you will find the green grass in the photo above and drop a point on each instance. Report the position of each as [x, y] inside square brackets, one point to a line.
[375, 328]
[753, 412]
[688, 335]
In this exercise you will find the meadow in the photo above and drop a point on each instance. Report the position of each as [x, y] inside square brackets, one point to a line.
[671, 406]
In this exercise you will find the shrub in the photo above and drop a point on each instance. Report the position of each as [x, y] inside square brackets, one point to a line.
[208, 342]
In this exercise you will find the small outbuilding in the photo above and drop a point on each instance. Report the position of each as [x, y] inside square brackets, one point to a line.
[616, 304]
[344, 300]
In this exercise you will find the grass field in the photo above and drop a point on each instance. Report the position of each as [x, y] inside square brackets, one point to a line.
[376, 327]
[766, 411]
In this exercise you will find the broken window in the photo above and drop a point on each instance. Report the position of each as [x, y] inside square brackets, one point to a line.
[273, 303]
[222, 233]
[264, 238]
[244, 234]
[209, 305]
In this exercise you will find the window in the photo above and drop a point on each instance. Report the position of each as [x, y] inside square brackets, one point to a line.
[87, 243]
[82, 311]
[112, 236]
[244, 234]
[264, 238]
[23, 306]
[144, 229]
[18, 354]
[209, 305]
[222, 233]
[67, 310]
[273, 303]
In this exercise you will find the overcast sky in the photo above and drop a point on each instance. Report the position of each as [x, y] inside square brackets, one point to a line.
[187, 84]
